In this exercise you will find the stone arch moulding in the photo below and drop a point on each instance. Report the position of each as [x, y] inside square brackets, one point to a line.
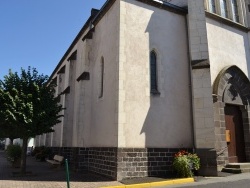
[234, 77]
[230, 87]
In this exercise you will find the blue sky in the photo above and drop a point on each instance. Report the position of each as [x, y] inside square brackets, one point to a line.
[37, 33]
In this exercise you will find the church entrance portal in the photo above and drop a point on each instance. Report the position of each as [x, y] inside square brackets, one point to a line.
[231, 95]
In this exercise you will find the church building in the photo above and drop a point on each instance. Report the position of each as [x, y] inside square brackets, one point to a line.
[146, 78]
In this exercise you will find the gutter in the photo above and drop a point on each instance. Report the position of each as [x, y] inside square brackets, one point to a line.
[191, 88]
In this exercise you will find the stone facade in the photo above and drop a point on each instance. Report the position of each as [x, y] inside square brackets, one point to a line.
[114, 125]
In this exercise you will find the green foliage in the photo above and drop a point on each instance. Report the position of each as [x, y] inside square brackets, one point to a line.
[184, 163]
[41, 153]
[14, 152]
[194, 160]
[181, 165]
[28, 107]
[27, 104]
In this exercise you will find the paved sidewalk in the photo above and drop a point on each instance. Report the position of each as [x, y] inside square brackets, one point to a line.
[45, 177]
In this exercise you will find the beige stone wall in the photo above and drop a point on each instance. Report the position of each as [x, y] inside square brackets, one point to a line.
[145, 120]
[201, 81]
[197, 30]
[203, 109]
[82, 119]
[57, 135]
[89, 120]
[103, 123]
[227, 46]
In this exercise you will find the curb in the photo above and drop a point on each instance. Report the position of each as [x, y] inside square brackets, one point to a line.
[154, 184]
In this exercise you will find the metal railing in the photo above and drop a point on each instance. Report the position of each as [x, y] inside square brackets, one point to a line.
[221, 151]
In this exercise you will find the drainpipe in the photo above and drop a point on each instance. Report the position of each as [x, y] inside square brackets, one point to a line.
[191, 88]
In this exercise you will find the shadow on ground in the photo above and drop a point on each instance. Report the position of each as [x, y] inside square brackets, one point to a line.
[42, 171]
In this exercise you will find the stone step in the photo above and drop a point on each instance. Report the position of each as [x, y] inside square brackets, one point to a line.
[231, 170]
[236, 170]
[238, 165]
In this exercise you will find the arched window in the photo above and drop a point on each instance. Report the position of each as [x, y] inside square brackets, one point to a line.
[101, 77]
[153, 73]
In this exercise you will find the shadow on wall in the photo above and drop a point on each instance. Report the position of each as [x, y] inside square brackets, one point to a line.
[167, 124]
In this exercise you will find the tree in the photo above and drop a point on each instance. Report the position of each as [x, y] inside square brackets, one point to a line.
[7, 132]
[28, 107]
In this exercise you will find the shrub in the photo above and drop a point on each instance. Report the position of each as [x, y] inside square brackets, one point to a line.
[194, 160]
[14, 152]
[185, 163]
[41, 153]
[35, 151]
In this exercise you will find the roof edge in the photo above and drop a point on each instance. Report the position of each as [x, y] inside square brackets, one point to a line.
[166, 6]
[97, 16]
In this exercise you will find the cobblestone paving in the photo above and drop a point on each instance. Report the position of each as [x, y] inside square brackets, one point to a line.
[43, 176]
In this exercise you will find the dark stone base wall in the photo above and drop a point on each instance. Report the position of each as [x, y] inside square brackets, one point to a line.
[77, 157]
[208, 159]
[141, 162]
[121, 163]
[103, 161]
[95, 159]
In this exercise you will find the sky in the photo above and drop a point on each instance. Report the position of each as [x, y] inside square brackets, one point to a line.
[37, 33]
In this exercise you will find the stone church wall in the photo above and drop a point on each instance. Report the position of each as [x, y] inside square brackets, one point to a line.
[147, 120]
[227, 46]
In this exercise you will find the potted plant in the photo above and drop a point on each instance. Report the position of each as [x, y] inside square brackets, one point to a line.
[14, 153]
[185, 163]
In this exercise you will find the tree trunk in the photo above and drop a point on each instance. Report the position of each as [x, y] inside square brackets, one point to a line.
[24, 152]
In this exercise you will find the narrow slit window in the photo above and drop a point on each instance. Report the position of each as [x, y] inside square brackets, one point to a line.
[235, 11]
[153, 73]
[224, 9]
[212, 6]
[101, 78]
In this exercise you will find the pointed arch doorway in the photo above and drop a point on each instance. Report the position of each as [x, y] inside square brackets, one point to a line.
[231, 91]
